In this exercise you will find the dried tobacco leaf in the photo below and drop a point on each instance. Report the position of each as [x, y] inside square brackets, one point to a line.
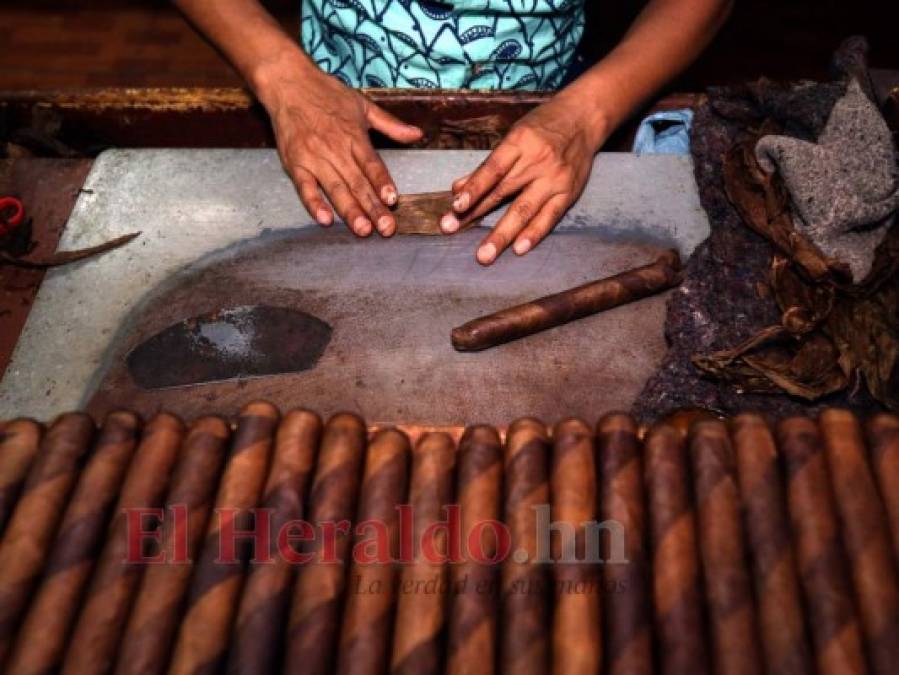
[65, 257]
[421, 213]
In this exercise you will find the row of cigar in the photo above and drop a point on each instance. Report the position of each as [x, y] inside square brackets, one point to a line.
[749, 548]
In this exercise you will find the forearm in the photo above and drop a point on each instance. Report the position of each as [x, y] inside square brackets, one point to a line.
[251, 39]
[666, 37]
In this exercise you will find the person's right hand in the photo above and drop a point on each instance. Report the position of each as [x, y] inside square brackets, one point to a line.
[321, 127]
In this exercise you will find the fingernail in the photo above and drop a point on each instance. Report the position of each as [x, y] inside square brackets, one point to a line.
[449, 223]
[388, 195]
[384, 223]
[323, 216]
[522, 246]
[486, 254]
[362, 226]
[460, 203]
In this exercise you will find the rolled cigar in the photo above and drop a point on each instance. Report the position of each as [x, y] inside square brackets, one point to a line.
[727, 584]
[677, 594]
[883, 436]
[33, 526]
[473, 603]
[781, 626]
[314, 626]
[575, 303]
[866, 538]
[150, 629]
[215, 589]
[524, 626]
[627, 598]
[19, 441]
[576, 624]
[421, 606]
[113, 584]
[256, 647]
[41, 640]
[368, 616]
[823, 572]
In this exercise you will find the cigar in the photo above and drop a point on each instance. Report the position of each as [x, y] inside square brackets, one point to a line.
[150, 629]
[421, 606]
[781, 625]
[575, 303]
[883, 437]
[41, 640]
[114, 583]
[576, 623]
[473, 603]
[677, 594]
[314, 626]
[866, 538]
[524, 626]
[215, 589]
[19, 441]
[823, 572]
[32, 528]
[256, 645]
[368, 617]
[627, 600]
[728, 587]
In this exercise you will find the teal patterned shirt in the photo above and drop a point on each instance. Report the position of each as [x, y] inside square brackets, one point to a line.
[458, 44]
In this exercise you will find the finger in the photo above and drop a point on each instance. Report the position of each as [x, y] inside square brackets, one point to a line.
[507, 188]
[486, 176]
[541, 224]
[307, 187]
[366, 197]
[338, 192]
[376, 173]
[520, 213]
[391, 126]
[459, 183]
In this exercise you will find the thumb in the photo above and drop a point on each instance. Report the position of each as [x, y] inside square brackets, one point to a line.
[391, 126]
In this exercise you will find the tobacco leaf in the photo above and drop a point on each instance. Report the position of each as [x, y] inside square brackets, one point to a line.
[421, 213]
[65, 257]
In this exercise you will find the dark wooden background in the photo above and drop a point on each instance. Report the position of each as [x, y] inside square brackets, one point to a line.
[59, 43]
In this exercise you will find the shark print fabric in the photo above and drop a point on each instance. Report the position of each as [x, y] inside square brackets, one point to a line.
[459, 44]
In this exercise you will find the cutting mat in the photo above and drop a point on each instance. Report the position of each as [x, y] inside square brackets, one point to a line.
[224, 228]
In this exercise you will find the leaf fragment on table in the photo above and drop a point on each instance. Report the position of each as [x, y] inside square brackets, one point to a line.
[65, 257]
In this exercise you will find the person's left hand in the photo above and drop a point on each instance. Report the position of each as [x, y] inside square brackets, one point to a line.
[545, 160]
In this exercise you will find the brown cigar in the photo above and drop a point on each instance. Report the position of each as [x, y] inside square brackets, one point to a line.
[421, 606]
[781, 625]
[368, 617]
[866, 538]
[727, 584]
[257, 645]
[19, 441]
[524, 625]
[114, 583]
[218, 579]
[883, 436]
[576, 625]
[473, 610]
[676, 572]
[41, 641]
[314, 626]
[150, 630]
[34, 523]
[575, 303]
[819, 551]
[627, 601]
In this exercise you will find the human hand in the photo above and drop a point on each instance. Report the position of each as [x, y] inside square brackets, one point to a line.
[321, 127]
[545, 160]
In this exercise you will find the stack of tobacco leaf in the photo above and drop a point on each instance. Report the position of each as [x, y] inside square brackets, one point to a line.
[764, 320]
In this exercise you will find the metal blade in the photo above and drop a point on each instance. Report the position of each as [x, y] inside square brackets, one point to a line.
[232, 343]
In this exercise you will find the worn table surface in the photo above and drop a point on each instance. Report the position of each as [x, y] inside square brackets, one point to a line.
[224, 228]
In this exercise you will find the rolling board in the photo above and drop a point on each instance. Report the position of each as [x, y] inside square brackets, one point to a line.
[223, 228]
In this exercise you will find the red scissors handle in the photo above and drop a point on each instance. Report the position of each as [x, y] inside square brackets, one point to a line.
[13, 207]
